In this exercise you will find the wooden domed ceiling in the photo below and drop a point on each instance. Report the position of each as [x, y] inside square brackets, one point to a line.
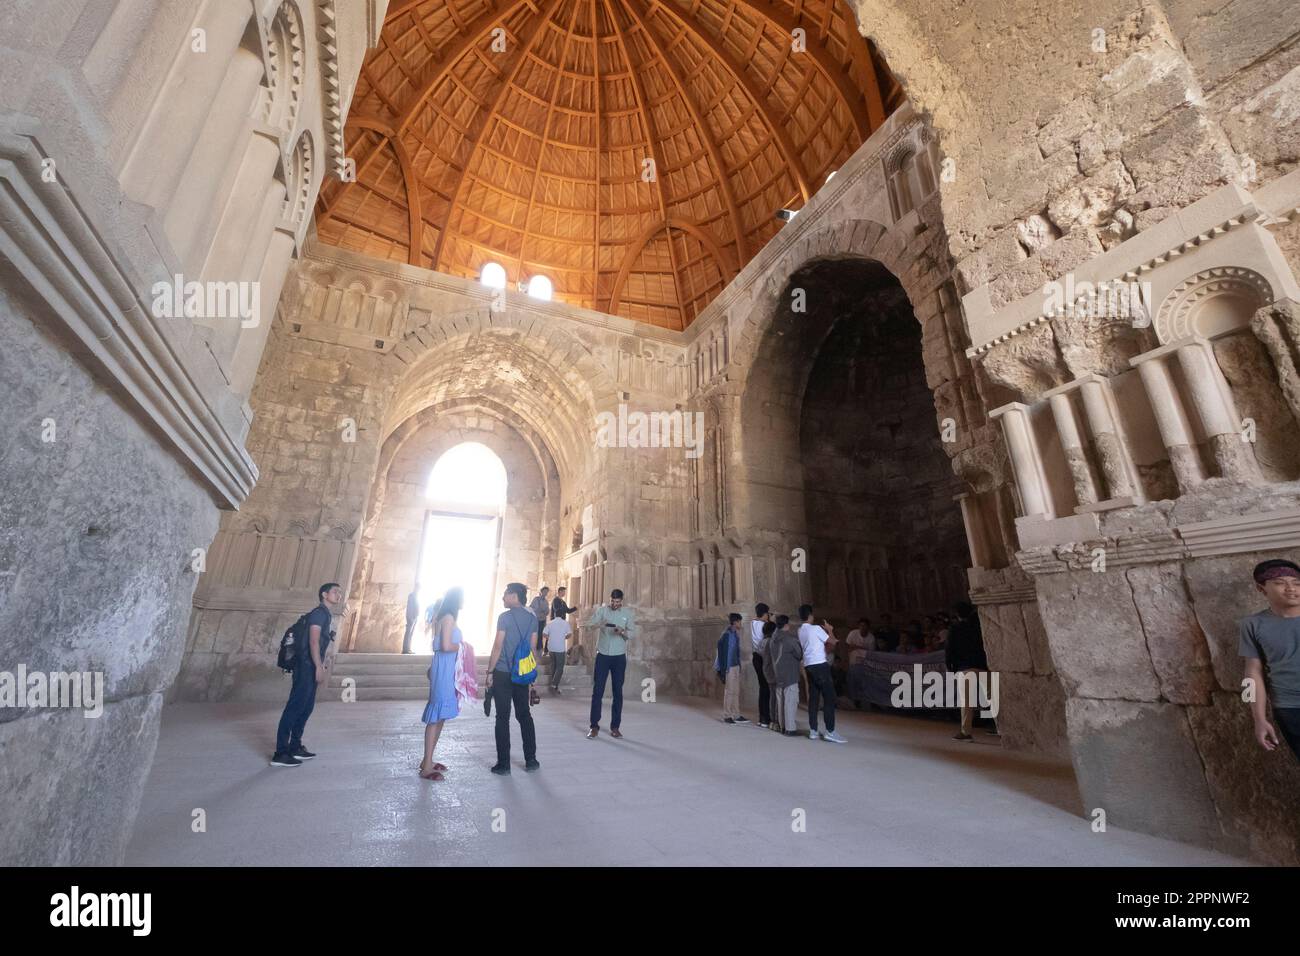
[634, 152]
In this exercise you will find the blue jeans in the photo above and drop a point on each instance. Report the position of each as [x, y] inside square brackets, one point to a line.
[608, 665]
[302, 701]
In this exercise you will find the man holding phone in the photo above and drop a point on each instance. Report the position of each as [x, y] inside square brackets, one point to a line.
[616, 626]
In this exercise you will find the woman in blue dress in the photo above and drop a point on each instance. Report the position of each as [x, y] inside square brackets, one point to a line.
[442, 704]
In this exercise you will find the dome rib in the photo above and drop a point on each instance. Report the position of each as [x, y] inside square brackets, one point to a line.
[532, 155]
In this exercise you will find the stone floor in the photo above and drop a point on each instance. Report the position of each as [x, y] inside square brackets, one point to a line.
[680, 788]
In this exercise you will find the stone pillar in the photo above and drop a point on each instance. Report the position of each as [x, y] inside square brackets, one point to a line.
[1215, 408]
[1171, 418]
[975, 535]
[1025, 460]
[248, 350]
[191, 218]
[1076, 455]
[1108, 442]
[184, 107]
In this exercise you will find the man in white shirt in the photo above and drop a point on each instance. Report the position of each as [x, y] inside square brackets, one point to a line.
[861, 640]
[815, 640]
[557, 632]
[761, 616]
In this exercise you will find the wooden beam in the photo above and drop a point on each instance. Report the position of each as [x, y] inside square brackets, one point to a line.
[507, 79]
[853, 98]
[710, 144]
[415, 221]
[476, 31]
[777, 129]
[546, 136]
[659, 168]
[634, 250]
[595, 66]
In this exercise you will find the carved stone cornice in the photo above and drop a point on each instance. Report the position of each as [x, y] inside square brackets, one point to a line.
[1276, 531]
[331, 86]
[50, 246]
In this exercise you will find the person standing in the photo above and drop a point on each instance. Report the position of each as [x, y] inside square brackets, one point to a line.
[728, 667]
[540, 606]
[310, 670]
[616, 625]
[1270, 639]
[412, 616]
[814, 640]
[560, 606]
[560, 609]
[762, 614]
[965, 652]
[766, 652]
[515, 628]
[787, 655]
[556, 633]
[443, 704]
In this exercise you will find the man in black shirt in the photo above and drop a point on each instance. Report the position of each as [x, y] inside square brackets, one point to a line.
[310, 670]
[965, 652]
[559, 607]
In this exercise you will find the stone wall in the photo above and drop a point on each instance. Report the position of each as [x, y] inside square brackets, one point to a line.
[132, 153]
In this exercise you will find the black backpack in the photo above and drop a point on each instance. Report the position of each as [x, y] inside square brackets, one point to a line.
[294, 638]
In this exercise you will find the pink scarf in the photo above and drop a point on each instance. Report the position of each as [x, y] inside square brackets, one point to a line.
[466, 674]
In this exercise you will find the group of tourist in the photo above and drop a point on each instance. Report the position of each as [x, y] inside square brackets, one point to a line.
[918, 636]
[780, 650]
[522, 630]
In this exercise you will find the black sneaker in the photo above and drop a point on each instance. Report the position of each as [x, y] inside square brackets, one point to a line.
[302, 753]
[532, 765]
[501, 770]
[742, 720]
[727, 720]
[285, 760]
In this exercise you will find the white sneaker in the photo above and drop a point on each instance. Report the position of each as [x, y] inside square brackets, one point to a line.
[813, 735]
[834, 738]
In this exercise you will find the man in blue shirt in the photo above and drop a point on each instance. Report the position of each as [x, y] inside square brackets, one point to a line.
[515, 625]
[310, 670]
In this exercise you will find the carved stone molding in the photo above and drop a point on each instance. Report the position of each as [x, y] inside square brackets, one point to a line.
[1177, 314]
[54, 249]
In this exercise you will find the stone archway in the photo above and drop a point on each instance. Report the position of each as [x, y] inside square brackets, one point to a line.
[390, 540]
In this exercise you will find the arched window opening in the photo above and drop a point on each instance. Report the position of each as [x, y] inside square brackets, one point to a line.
[493, 275]
[540, 287]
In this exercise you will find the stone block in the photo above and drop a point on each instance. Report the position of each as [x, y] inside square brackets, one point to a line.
[1139, 763]
[1031, 715]
[1005, 642]
[55, 818]
[1096, 636]
[1257, 792]
[1178, 649]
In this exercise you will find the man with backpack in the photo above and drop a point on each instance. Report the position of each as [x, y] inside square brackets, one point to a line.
[512, 668]
[311, 638]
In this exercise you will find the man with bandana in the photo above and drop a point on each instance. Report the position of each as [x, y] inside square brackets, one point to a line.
[1270, 644]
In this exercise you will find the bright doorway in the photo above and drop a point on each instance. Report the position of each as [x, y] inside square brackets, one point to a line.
[461, 543]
